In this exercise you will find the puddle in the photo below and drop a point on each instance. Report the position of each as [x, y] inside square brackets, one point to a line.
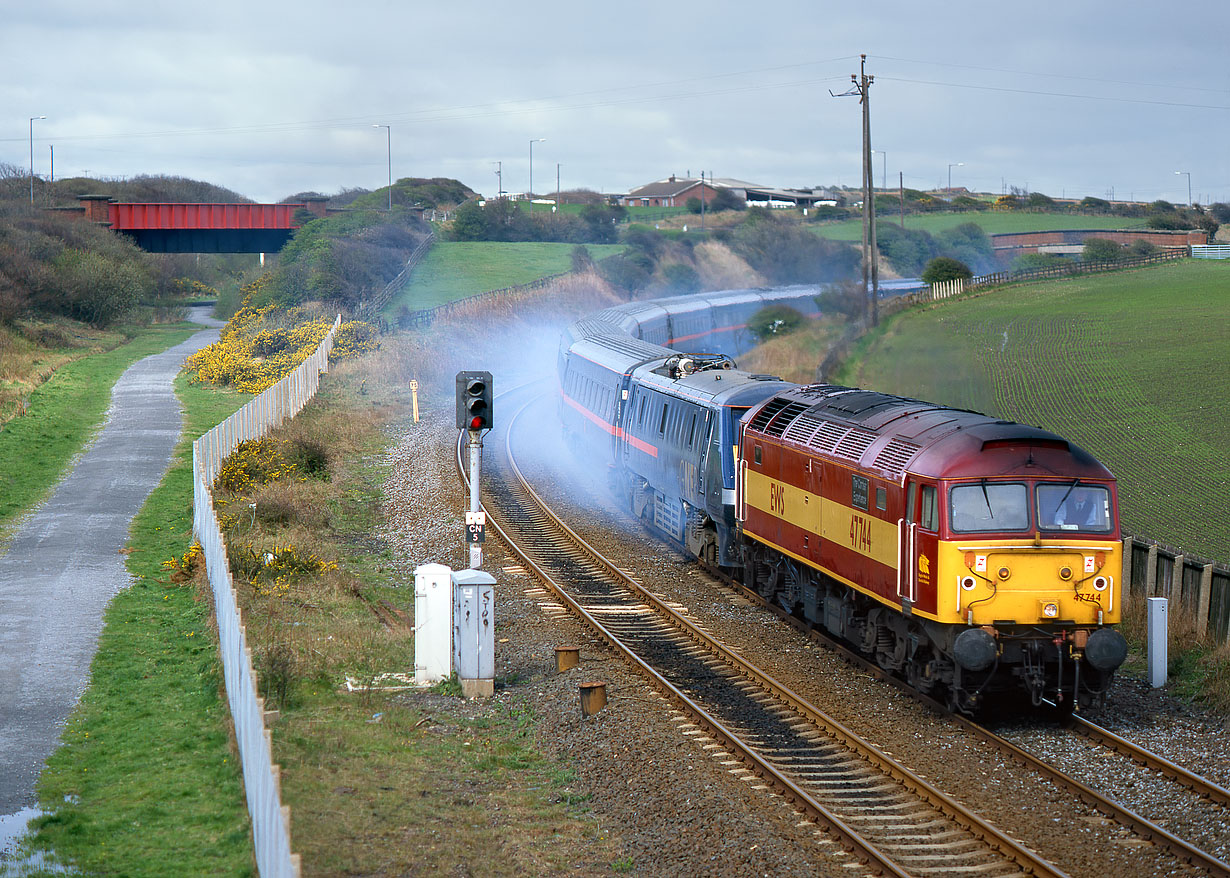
[14, 864]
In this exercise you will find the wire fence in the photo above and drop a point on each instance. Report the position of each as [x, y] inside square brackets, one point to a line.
[261, 776]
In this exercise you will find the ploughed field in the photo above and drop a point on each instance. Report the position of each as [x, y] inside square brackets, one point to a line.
[1129, 365]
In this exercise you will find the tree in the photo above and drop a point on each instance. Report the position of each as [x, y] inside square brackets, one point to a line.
[470, 223]
[693, 205]
[726, 199]
[944, 268]
[1101, 250]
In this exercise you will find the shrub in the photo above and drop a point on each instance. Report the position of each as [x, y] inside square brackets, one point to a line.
[775, 320]
[681, 278]
[847, 298]
[945, 268]
[693, 205]
[1101, 250]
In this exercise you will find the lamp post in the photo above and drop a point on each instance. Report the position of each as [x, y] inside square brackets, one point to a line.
[530, 194]
[388, 131]
[883, 168]
[1189, 186]
[950, 167]
[32, 118]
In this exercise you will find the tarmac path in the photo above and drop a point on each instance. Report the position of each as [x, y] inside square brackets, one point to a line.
[64, 566]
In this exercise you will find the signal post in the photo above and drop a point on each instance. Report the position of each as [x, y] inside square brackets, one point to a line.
[474, 415]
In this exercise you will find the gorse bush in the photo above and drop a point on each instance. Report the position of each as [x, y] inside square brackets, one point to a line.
[260, 345]
[273, 571]
[254, 463]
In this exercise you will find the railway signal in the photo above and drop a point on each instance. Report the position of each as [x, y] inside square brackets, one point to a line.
[474, 403]
[474, 407]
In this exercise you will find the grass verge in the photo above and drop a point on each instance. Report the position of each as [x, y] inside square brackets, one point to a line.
[456, 269]
[146, 782]
[63, 413]
[378, 782]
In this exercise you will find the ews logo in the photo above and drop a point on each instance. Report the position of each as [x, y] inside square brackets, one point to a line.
[777, 499]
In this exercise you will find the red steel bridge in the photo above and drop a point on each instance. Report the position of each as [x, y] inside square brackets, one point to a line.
[181, 227]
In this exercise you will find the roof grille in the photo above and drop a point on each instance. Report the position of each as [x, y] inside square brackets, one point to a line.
[766, 414]
[896, 454]
[783, 420]
[855, 443]
[802, 428]
[829, 435]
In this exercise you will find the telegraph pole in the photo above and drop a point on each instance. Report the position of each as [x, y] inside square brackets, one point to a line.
[869, 196]
[871, 266]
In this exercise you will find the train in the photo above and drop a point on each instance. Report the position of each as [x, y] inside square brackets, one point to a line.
[976, 558]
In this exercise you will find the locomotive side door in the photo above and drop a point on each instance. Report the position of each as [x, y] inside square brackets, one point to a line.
[907, 540]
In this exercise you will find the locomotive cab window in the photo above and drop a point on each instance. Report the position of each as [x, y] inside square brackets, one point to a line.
[989, 506]
[881, 499]
[756, 454]
[1073, 506]
[930, 517]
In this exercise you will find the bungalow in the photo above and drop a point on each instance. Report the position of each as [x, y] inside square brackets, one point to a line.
[671, 192]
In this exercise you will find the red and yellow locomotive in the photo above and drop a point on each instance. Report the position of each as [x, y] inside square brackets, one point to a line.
[970, 554]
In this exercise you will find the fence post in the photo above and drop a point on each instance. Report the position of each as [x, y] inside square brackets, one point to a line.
[1151, 572]
[1126, 588]
[1203, 599]
[1176, 580]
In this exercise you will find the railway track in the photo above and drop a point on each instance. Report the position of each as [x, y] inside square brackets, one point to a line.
[893, 819]
[1202, 793]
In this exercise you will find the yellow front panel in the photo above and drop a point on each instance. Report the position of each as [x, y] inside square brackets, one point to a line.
[1033, 581]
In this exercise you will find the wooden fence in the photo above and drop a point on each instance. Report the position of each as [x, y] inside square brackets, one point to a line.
[370, 310]
[1198, 587]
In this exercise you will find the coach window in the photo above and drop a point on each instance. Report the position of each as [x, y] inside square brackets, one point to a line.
[930, 518]
[640, 410]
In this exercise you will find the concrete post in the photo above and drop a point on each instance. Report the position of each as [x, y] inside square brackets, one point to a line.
[1202, 600]
[1151, 572]
[1126, 580]
[1176, 581]
[1158, 642]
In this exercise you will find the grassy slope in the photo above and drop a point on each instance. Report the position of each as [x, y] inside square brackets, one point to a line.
[145, 782]
[1130, 366]
[455, 269]
[63, 413]
[995, 222]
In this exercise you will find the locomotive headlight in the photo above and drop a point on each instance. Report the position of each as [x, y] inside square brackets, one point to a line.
[1100, 583]
[1048, 609]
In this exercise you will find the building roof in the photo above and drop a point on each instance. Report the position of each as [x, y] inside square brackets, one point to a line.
[667, 188]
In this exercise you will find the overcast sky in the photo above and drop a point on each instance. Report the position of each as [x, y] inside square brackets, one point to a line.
[271, 98]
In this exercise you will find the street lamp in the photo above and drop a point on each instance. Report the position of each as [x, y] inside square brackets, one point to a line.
[388, 131]
[883, 168]
[1189, 186]
[32, 118]
[530, 194]
[950, 167]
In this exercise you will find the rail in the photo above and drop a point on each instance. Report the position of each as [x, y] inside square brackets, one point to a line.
[762, 765]
[261, 776]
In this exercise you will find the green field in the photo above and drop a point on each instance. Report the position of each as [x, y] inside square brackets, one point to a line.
[456, 269]
[993, 222]
[1129, 365]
